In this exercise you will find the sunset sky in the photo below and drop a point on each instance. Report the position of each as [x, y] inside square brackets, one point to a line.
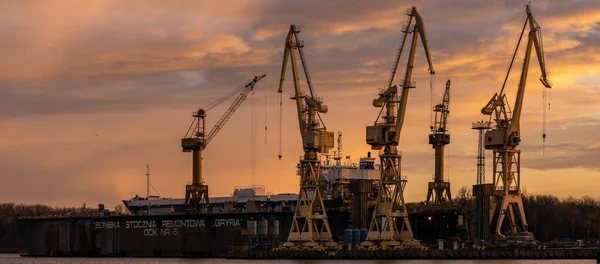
[134, 71]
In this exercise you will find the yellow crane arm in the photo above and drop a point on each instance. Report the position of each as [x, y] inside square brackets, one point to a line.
[423, 35]
[536, 35]
[534, 39]
[288, 53]
[419, 29]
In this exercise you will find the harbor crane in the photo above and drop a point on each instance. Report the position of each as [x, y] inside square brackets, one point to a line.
[385, 134]
[196, 140]
[310, 225]
[504, 139]
[438, 139]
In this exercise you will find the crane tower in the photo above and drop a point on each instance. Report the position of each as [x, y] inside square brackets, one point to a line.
[504, 138]
[310, 225]
[385, 134]
[196, 140]
[481, 190]
[438, 139]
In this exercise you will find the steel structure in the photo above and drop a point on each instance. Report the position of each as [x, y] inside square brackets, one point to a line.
[438, 139]
[504, 138]
[196, 140]
[481, 190]
[310, 225]
[385, 134]
[481, 127]
[337, 155]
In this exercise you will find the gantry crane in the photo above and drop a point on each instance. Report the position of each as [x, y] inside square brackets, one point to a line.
[505, 136]
[196, 140]
[385, 134]
[438, 139]
[310, 225]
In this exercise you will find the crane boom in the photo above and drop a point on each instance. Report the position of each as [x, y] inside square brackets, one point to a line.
[234, 106]
[445, 108]
[505, 137]
[310, 224]
[288, 52]
[399, 52]
[196, 140]
[421, 26]
[419, 29]
[535, 38]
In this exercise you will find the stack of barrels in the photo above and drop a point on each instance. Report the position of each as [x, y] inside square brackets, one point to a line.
[353, 237]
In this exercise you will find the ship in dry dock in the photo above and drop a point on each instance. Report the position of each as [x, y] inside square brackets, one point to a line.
[249, 217]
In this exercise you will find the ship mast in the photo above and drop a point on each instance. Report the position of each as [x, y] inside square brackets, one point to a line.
[147, 182]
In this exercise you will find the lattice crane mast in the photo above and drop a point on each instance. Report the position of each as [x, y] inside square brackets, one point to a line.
[310, 224]
[196, 140]
[438, 139]
[385, 134]
[505, 136]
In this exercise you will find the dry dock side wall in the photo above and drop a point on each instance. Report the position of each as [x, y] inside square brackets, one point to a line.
[169, 235]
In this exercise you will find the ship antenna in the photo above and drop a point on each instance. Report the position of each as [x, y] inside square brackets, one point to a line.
[147, 182]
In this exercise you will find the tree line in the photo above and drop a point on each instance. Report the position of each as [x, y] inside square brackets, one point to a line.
[549, 217]
[9, 212]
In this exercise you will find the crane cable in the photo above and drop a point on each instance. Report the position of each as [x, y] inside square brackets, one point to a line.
[224, 98]
[252, 138]
[545, 99]
[266, 86]
[512, 60]
[431, 91]
[279, 127]
[156, 191]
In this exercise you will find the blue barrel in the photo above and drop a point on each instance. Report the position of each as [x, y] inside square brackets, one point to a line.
[356, 237]
[363, 235]
[347, 237]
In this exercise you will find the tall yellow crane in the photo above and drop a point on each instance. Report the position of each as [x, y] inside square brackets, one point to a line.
[505, 136]
[385, 134]
[310, 224]
[196, 140]
[438, 139]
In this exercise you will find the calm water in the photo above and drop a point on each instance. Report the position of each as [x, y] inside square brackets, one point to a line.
[6, 259]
